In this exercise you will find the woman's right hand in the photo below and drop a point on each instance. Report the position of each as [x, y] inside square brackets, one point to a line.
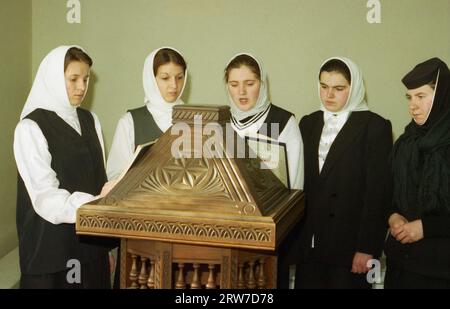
[396, 223]
[108, 187]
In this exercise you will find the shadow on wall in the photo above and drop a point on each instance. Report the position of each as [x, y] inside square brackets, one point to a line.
[10, 270]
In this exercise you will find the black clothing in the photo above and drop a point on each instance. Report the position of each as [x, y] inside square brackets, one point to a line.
[346, 202]
[420, 163]
[145, 127]
[77, 160]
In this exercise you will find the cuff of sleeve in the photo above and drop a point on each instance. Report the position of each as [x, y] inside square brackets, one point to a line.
[430, 226]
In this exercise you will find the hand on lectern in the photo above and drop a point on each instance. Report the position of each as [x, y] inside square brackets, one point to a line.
[108, 187]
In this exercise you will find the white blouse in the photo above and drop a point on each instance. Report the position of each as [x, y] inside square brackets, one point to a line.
[122, 148]
[33, 161]
[333, 123]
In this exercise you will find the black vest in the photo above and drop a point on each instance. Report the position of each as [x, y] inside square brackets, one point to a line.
[78, 163]
[278, 116]
[145, 127]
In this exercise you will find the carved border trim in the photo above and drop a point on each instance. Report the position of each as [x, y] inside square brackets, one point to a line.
[196, 231]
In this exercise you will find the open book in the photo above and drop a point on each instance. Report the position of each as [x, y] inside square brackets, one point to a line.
[140, 151]
[273, 156]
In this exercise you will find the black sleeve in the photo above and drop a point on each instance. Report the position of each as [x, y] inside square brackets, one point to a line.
[378, 188]
[436, 226]
[391, 207]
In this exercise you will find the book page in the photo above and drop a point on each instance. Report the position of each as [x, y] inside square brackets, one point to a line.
[272, 154]
[140, 151]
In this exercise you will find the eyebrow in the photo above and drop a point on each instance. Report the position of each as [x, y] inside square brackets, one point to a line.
[415, 94]
[333, 86]
[77, 75]
[247, 80]
[161, 73]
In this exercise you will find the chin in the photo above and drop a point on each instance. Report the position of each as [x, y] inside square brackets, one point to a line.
[170, 100]
[75, 103]
[332, 109]
[244, 108]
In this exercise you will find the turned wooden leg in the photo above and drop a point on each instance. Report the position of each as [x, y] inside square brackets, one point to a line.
[211, 284]
[181, 282]
[196, 284]
[151, 277]
[251, 283]
[133, 272]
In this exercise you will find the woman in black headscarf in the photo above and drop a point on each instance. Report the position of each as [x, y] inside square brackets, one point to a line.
[418, 247]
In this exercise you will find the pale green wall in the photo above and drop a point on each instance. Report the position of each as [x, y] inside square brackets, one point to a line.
[15, 64]
[292, 37]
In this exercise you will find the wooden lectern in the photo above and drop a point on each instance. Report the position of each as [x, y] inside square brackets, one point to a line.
[194, 212]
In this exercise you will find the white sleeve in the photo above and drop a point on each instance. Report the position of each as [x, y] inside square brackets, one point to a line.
[33, 161]
[122, 148]
[294, 146]
[98, 129]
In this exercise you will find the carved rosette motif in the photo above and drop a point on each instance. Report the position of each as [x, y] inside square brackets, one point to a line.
[181, 176]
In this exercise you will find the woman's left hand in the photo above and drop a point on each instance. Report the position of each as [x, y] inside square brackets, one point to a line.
[360, 260]
[410, 232]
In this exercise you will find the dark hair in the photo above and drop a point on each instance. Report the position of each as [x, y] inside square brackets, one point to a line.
[241, 60]
[432, 85]
[336, 65]
[76, 54]
[167, 55]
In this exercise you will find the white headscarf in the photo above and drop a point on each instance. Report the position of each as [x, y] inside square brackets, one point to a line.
[49, 87]
[263, 102]
[160, 109]
[356, 101]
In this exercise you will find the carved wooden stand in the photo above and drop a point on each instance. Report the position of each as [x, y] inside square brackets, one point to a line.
[196, 220]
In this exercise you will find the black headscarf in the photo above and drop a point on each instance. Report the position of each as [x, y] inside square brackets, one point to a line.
[420, 157]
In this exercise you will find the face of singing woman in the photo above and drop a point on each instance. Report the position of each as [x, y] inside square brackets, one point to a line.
[76, 77]
[334, 90]
[420, 102]
[170, 80]
[243, 86]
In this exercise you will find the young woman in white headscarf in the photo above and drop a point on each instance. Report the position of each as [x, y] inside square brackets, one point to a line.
[59, 152]
[252, 114]
[346, 182]
[164, 79]
[418, 247]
